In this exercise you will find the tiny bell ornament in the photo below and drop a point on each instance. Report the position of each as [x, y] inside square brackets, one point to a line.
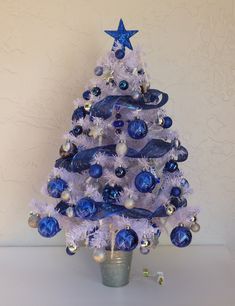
[118, 180]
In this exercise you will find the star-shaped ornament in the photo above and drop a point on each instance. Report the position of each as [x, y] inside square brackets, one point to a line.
[122, 36]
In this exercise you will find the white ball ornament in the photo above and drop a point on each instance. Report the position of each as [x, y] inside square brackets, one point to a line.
[129, 203]
[99, 255]
[121, 148]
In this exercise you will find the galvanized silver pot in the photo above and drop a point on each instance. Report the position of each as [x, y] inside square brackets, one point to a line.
[116, 268]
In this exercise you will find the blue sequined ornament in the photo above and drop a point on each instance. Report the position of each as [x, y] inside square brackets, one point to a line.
[111, 193]
[122, 36]
[48, 227]
[96, 91]
[86, 95]
[145, 181]
[123, 85]
[79, 113]
[98, 70]
[167, 122]
[171, 166]
[126, 240]
[120, 53]
[120, 172]
[85, 208]
[56, 186]
[96, 171]
[137, 129]
[175, 191]
[118, 123]
[181, 236]
[76, 131]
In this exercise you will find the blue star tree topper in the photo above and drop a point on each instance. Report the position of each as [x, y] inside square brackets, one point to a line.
[122, 36]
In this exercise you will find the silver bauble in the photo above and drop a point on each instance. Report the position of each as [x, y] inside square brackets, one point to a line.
[70, 212]
[176, 143]
[136, 95]
[129, 203]
[145, 243]
[99, 255]
[159, 121]
[33, 220]
[121, 148]
[170, 209]
[195, 227]
[72, 248]
[144, 251]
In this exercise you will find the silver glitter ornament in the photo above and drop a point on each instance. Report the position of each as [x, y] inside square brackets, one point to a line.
[99, 255]
[72, 248]
[195, 227]
[176, 143]
[67, 149]
[136, 95]
[33, 220]
[170, 209]
[145, 243]
[159, 121]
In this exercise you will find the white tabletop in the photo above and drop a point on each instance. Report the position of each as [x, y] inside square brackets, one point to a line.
[46, 276]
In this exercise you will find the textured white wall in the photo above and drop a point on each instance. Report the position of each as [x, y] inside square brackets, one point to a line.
[48, 50]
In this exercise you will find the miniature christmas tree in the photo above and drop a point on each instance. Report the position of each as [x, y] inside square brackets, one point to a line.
[117, 183]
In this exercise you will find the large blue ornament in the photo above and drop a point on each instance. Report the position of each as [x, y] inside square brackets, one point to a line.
[181, 236]
[48, 227]
[96, 171]
[56, 186]
[85, 208]
[137, 129]
[111, 193]
[175, 191]
[145, 181]
[126, 240]
[122, 36]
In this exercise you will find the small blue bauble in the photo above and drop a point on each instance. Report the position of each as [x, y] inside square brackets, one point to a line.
[111, 193]
[77, 130]
[120, 172]
[175, 191]
[184, 183]
[86, 95]
[85, 208]
[120, 53]
[48, 227]
[69, 252]
[56, 186]
[118, 123]
[178, 202]
[171, 166]
[123, 85]
[79, 113]
[98, 70]
[145, 181]
[167, 122]
[137, 129]
[96, 171]
[126, 240]
[96, 91]
[181, 236]
[61, 207]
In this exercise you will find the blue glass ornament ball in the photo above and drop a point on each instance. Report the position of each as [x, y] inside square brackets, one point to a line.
[118, 123]
[167, 122]
[56, 186]
[123, 85]
[126, 240]
[69, 252]
[181, 236]
[171, 166]
[98, 70]
[120, 172]
[96, 171]
[175, 191]
[48, 227]
[96, 91]
[119, 54]
[76, 131]
[86, 95]
[85, 208]
[79, 113]
[145, 181]
[137, 129]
